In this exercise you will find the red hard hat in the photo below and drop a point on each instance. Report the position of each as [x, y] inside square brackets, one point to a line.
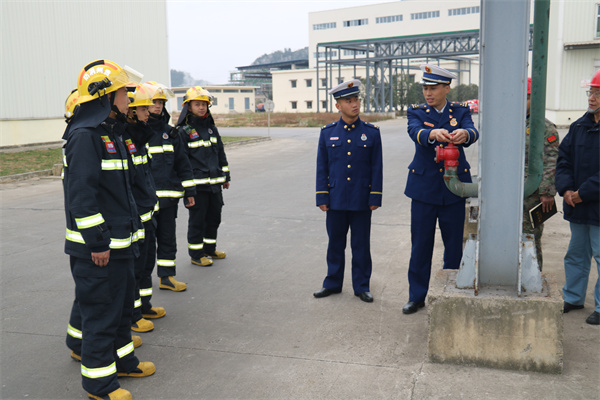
[528, 85]
[596, 79]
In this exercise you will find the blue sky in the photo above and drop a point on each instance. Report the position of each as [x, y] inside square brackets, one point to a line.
[209, 38]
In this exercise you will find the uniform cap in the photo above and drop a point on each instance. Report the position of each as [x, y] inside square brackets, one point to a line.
[346, 89]
[434, 75]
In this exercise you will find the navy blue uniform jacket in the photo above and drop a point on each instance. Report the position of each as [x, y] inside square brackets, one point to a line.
[425, 177]
[578, 168]
[349, 166]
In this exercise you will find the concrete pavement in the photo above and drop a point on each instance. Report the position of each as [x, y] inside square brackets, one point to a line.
[249, 327]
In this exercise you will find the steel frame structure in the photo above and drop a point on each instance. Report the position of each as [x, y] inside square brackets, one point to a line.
[384, 58]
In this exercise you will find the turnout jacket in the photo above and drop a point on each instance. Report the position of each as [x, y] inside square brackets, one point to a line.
[206, 152]
[170, 165]
[425, 181]
[578, 169]
[349, 166]
[144, 190]
[101, 213]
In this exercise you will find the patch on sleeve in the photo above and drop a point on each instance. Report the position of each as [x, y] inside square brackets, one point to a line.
[552, 139]
[429, 124]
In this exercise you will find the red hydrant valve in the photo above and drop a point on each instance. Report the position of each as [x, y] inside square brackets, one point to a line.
[449, 155]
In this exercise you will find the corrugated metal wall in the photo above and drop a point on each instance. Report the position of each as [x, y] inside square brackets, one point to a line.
[46, 43]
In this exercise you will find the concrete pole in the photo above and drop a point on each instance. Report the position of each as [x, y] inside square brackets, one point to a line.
[504, 49]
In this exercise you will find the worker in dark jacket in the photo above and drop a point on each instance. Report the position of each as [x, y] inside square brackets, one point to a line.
[174, 180]
[349, 189]
[144, 193]
[205, 150]
[437, 122]
[102, 230]
[578, 182]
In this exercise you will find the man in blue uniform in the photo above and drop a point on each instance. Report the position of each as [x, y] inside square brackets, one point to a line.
[437, 122]
[349, 188]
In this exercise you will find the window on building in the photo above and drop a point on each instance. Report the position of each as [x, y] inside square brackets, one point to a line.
[309, 105]
[356, 22]
[246, 103]
[463, 11]
[329, 53]
[425, 15]
[388, 19]
[354, 52]
[340, 80]
[327, 25]
[179, 103]
[215, 101]
[293, 82]
[309, 83]
[294, 105]
[324, 105]
[324, 82]
[598, 20]
[215, 90]
[246, 90]
[231, 103]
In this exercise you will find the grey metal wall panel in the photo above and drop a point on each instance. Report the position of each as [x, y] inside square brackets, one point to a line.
[46, 43]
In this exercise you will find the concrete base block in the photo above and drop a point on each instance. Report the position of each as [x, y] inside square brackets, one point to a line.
[495, 329]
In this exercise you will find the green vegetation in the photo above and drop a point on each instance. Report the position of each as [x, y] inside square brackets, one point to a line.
[29, 161]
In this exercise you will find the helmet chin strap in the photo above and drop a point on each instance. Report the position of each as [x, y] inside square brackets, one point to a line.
[120, 116]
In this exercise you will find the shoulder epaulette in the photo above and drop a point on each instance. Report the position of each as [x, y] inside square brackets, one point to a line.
[371, 125]
[329, 125]
[416, 106]
[459, 104]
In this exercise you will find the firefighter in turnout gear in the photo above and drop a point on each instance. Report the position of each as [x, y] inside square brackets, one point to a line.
[144, 193]
[206, 153]
[102, 224]
[173, 179]
[74, 327]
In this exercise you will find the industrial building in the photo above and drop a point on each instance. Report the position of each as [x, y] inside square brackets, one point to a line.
[46, 43]
[226, 99]
[377, 42]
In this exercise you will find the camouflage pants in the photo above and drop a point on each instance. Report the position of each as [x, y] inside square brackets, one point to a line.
[528, 204]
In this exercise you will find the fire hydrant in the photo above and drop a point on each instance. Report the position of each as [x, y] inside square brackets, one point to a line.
[449, 155]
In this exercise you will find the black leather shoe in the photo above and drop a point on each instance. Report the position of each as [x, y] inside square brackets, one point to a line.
[412, 307]
[323, 292]
[594, 318]
[569, 307]
[367, 297]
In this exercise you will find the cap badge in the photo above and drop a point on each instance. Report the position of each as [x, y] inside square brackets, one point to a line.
[350, 85]
[428, 70]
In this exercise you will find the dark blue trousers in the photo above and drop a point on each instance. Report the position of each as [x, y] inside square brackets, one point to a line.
[203, 223]
[166, 240]
[337, 224]
[102, 312]
[423, 218]
[143, 267]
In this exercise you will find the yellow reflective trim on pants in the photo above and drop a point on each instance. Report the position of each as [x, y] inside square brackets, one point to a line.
[76, 333]
[102, 372]
[112, 165]
[137, 303]
[195, 246]
[225, 168]
[169, 193]
[146, 292]
[127, 349]
[165, 263]
[210, 241]
[88, 222]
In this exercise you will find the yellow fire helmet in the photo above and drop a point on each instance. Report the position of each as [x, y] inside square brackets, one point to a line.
[71, 104]
[101, 77]
[198, 93]
[143, 95]
[163, 92]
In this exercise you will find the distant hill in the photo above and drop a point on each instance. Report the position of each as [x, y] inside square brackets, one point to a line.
[279, 55]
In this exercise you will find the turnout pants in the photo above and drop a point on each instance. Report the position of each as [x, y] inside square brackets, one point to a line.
[203, 223]
[423, 218]
[338, 223]
[143, 267]
[101, 313]
[166, 240]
